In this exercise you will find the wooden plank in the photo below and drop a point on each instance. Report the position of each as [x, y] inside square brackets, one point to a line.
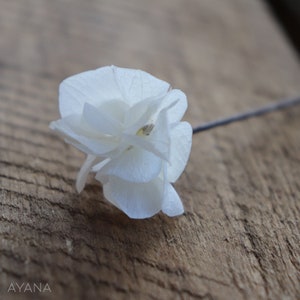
[239, 237]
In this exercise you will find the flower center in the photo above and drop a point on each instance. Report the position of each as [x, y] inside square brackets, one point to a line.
[145, 130]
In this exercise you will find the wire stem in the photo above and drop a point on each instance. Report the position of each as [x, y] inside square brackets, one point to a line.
[248, 114]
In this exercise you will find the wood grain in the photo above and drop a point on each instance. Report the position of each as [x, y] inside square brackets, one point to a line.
[239, 237]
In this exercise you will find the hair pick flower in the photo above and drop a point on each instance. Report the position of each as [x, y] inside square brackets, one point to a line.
[129, 124]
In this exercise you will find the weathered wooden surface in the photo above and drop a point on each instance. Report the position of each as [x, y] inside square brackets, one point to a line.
[239, 237]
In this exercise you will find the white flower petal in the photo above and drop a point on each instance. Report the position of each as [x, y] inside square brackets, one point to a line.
[94, 87]
[137, 85]
[176, 112]
[84, 171]
[139, 114]
[160, 135]
[100, 121]
[158, 141]
[143, 143]
[134, 165]
[180, 148]
[100, 165]
[172, 205]
[70, 129]
[116, 109]
[137, 200]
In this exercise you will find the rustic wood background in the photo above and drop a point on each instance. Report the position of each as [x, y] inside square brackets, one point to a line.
[239, 237]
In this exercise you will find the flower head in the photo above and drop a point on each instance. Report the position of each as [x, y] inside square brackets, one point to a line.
[128, 124]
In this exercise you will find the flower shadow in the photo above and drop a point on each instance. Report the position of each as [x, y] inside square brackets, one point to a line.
[110, 240]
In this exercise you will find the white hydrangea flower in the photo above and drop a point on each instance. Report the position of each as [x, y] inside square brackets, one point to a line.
[128, 124]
